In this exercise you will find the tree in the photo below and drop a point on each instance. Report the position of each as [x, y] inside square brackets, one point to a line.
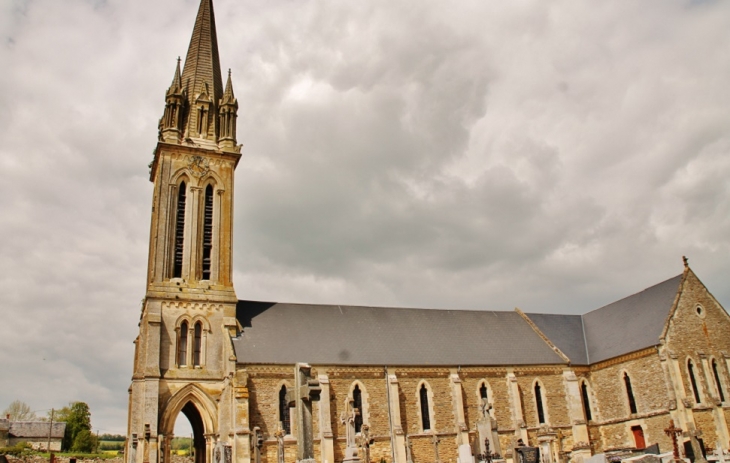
[19, 411]
[84, 442]
[77, 418]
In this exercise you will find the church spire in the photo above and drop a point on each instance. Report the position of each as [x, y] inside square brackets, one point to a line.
[201, 76]
[172, 119]
[228, 110]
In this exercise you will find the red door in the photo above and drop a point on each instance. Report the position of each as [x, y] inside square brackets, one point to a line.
[638, 437]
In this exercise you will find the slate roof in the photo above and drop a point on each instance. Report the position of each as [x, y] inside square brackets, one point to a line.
[280, 333]
[346, 335]
[630, 324]
[566, 332]
[38, 429]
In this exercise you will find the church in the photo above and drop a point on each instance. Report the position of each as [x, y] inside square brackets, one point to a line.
[267, 382]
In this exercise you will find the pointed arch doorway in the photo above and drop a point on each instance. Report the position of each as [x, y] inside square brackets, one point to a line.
[197, 427]
[201, 413]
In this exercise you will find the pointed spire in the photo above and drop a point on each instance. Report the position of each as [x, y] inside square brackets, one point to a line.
[228, 96]
[176, 85]
[202, 64]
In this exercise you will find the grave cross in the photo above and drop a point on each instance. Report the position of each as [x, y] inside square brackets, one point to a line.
[436, 440]
[279, 434]
[673, 432]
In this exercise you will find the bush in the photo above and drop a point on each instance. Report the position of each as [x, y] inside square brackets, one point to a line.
[18, 450]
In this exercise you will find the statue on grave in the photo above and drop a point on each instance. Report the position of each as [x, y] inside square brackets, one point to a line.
[351, 454]
[487, 430]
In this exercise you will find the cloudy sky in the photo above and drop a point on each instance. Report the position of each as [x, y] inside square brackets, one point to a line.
[549, 155]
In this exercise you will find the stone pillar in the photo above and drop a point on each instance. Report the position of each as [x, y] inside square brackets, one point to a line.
[457, 399]
[576, 414]
[325, 421]
[516, 405]
[242, 431]
[398, 437]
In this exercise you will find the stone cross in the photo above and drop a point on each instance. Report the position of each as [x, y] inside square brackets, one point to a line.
[673, 432]
[364, 442]
[306, 390]
[351, 454]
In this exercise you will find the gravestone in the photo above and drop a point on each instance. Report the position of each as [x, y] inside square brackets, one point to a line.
[465, 455]
[3, 459]
[351, 451]
[221, 453]
[527, 454]
[597, 458]
[487, 429]
[650, 458]
[693, 445]
[306, 390]
[652, 449]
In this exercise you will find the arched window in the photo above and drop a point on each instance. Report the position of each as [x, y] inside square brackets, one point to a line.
[717, 381]
[182, 345]
[693, 381]
[179, 231]
[630, 393]
[284, 411]
[197, 346]
[357, 403]
[425, 409]
[207, 232]
[538, 402]
[585, 400]
[484, 393]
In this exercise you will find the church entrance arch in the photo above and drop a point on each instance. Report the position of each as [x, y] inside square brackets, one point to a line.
[200, 411]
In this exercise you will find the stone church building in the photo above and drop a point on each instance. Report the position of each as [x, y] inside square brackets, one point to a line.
[272, 383]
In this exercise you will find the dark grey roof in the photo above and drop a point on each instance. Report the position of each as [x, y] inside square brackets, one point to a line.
[36, 429]
[566, 332]
[345, 335]
[631, 324]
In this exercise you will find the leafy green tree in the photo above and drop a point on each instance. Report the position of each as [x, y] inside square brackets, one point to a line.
[84, 442]
[19, 411]
[77, 418]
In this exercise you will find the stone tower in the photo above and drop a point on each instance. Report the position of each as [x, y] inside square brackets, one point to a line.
[183, 353]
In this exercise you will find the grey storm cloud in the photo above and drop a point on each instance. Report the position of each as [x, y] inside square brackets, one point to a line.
[553, 156]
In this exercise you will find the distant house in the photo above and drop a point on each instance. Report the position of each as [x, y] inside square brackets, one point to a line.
[36, 433]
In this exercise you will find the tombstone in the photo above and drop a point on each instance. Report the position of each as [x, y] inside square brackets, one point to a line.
[693, 445]
[306, 390]
[527, 454]
[257, 443]
[648, 458]
[597, 458]
[465, 455]
[221, 453]
[487, 429]
[279, 434]
[720, 453]
[652, 449]
[3, 459]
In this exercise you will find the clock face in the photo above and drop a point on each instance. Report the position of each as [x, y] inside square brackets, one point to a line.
[198, 165]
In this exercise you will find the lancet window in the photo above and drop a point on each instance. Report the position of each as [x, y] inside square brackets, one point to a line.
[198, 344]
[182, 345]
[284, 418]
[425, 409]
[357, 403]
[538, 402]
[718, 383]
[586, 401]
[693, 381]
[630, 393]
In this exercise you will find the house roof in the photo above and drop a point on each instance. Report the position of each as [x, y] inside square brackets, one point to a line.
[281, 333]
[347, 335]
[36, 429]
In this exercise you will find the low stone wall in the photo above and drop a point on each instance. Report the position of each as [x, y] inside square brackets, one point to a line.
[57, 459]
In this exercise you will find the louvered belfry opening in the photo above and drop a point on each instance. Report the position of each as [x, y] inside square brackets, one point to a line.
[179, 231]
[207, 232]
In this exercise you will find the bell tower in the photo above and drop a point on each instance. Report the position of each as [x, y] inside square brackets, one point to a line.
[183, 353]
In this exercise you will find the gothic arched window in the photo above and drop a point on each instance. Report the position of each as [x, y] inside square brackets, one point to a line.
[538, 402]
[717, 381]
[197, 345]
[484, 392]
[182, 345]
[357, 403]
[630, 393]
[179, 231]
[693, 381]
[425, 409]
[284, 411]
[586, 401]
[207, 232]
